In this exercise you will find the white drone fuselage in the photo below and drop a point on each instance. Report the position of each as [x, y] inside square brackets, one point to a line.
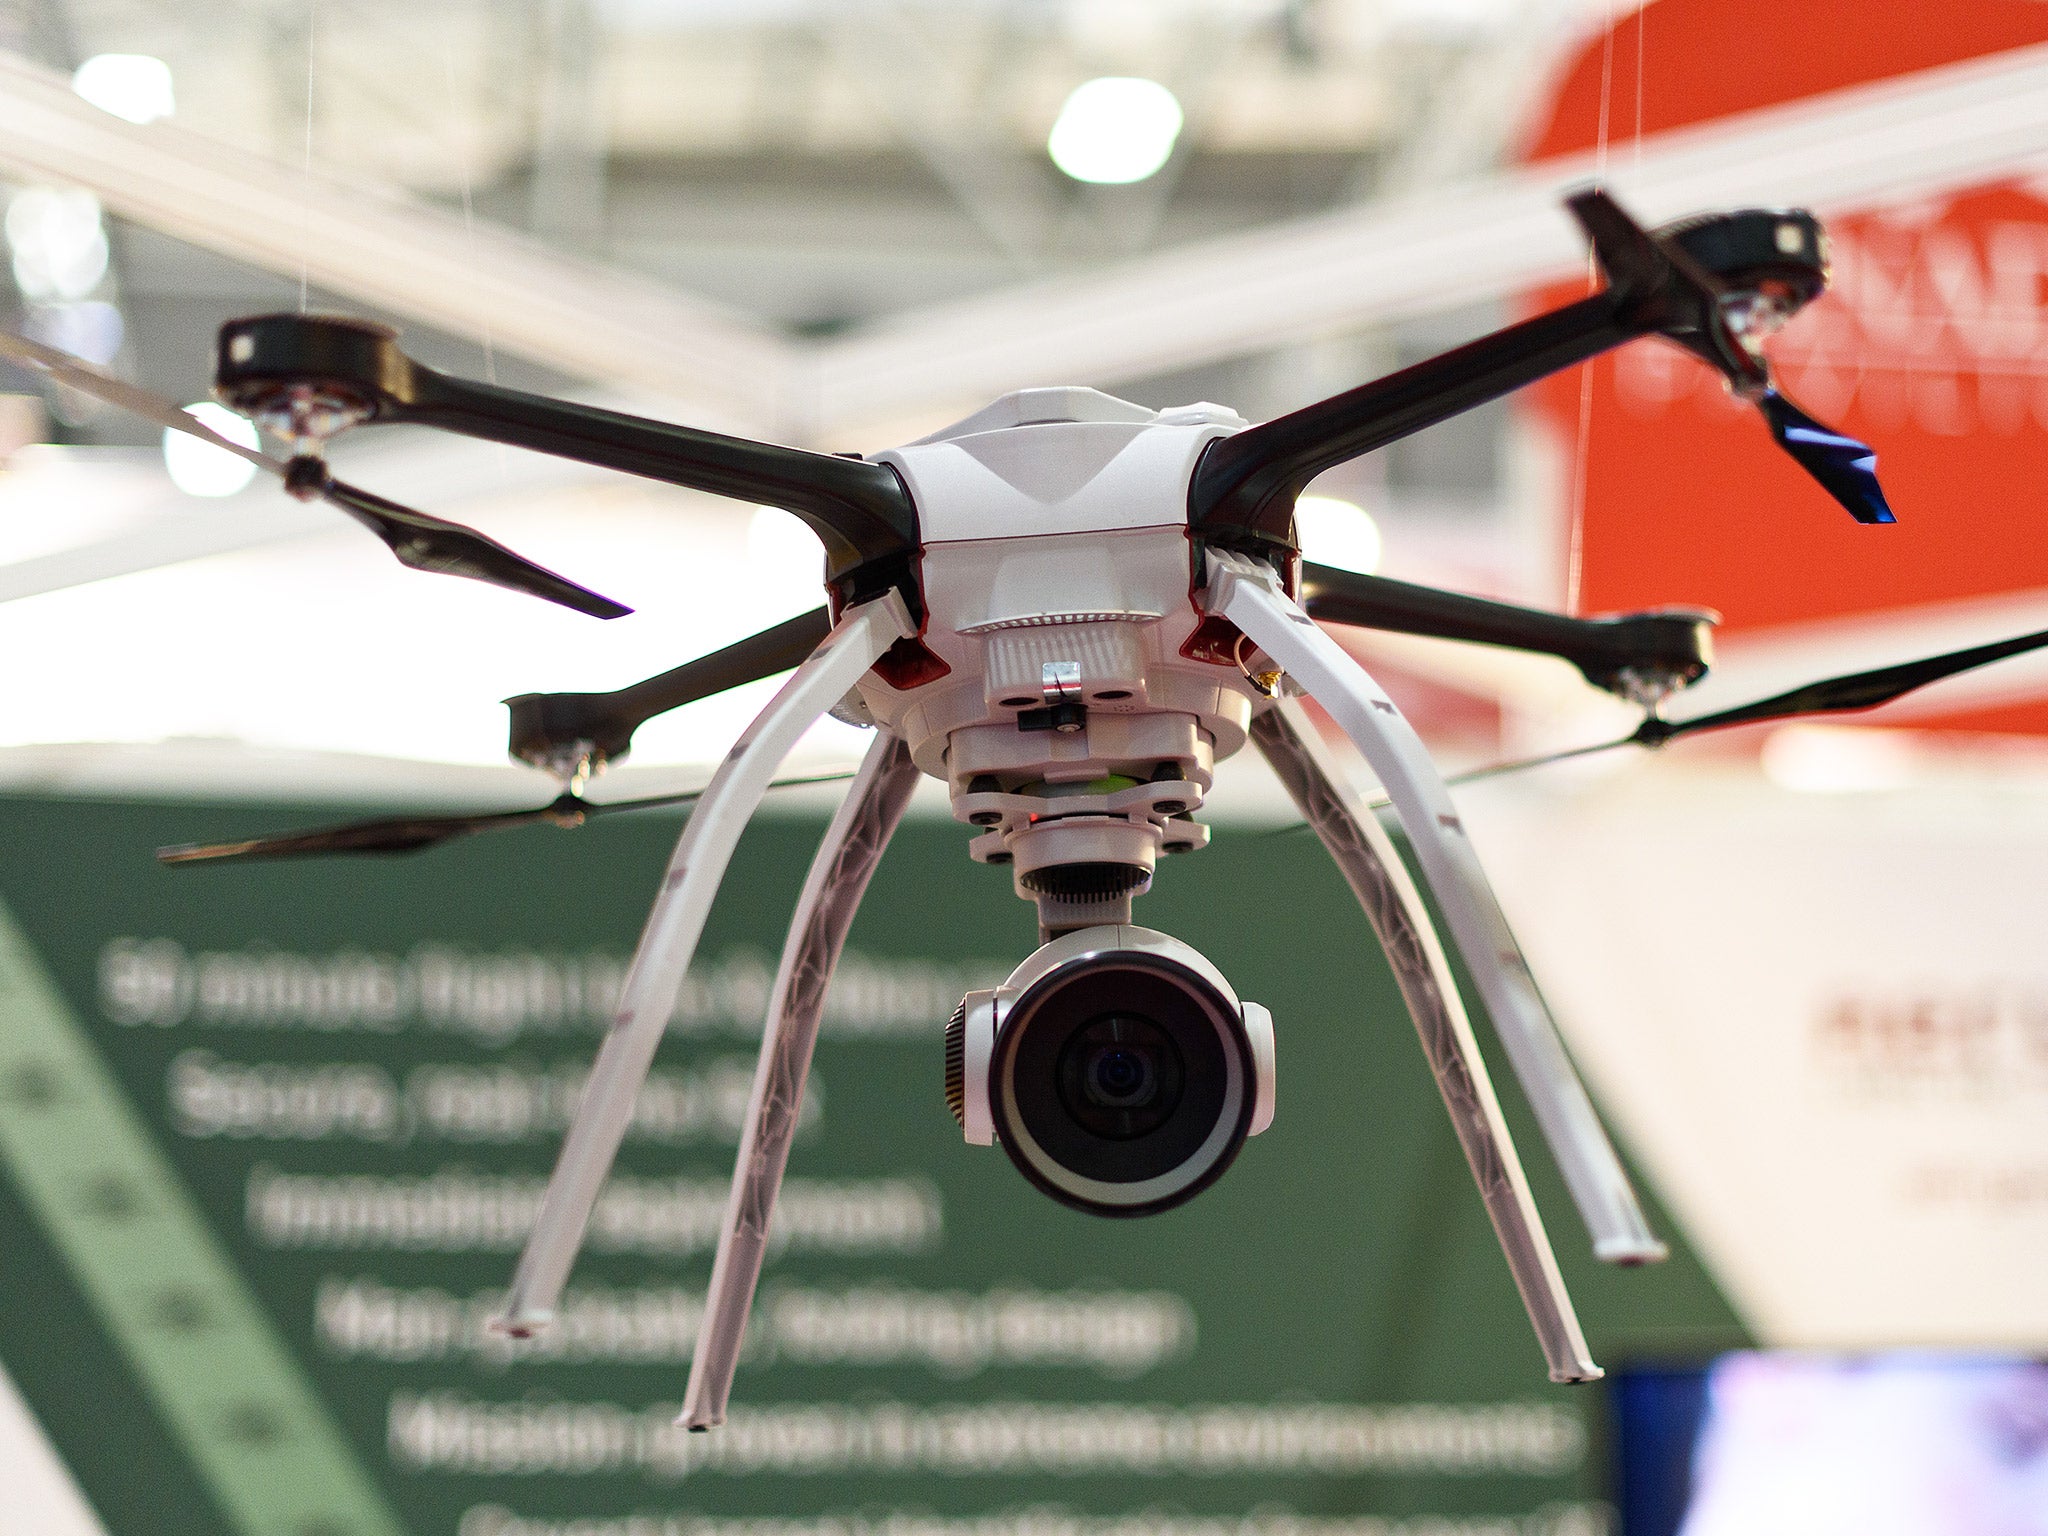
[1076, 723]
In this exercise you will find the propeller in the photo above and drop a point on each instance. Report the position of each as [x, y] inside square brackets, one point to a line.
[413, 834]
[1845, 468]
[1721, 284]
[1835, 695]
[421, 541]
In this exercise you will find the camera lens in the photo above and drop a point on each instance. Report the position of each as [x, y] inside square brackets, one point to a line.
[1120, 1076]
[1121, 1080]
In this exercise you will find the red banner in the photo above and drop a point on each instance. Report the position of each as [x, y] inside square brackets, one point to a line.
[1932, 345]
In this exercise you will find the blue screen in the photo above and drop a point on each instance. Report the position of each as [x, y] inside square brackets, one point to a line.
[1757, 1444]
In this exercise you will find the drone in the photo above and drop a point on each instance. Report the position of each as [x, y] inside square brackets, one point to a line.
[1069, 608]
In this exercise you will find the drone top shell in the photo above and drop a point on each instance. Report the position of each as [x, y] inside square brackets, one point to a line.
[1056, 579]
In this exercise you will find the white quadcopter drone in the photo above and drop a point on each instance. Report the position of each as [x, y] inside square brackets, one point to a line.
[1069, 608]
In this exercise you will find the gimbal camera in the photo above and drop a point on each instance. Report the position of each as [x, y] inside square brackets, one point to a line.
[1116, 1067]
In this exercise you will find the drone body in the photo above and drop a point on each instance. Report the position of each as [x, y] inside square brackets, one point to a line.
[1080, 712]
[1069, 608]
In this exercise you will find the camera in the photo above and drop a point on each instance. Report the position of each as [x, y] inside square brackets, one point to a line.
[1115, 1067]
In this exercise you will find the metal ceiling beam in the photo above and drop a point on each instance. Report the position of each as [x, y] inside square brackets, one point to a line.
[587, 320]
[1222, 298]
[1389, 261]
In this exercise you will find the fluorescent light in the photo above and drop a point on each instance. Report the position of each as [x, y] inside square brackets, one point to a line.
[1115, 130]
[1337, 532]
[198, 468]
[129, 85]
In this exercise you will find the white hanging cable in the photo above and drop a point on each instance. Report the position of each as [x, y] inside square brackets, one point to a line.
[1576, 556]
[305, 202]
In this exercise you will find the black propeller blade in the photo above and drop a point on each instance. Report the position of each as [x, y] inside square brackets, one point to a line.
[403, 834]
[1856, 690]
[1834, 695]
[434, 544]
[425, 543]
[412, 834]
[1845, 468]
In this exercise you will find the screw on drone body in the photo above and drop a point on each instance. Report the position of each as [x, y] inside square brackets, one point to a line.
[1065, 718]
[1752, 318]
[304, 415]
[573, 765]
[1655, 730]
[1168, 773]
[984, 784]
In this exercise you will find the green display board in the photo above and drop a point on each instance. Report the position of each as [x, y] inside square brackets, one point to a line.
[270, 1137]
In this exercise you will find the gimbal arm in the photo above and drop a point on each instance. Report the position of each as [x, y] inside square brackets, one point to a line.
[1670, 648]
[311, 376]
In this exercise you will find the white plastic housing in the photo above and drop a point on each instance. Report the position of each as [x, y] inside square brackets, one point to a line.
[980, 1045]
[1258, 1028]
[1056, 570]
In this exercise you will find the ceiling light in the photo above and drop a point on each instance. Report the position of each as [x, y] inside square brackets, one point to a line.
[198, 468]
[129, 85]
[58, 242]
[1336, 532]
[1115, 130]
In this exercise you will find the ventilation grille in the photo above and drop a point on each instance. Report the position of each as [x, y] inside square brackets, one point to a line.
[956, 1064]
[1040, 620]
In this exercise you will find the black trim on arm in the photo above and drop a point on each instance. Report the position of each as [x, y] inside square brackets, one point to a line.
[553, 730]
[269, 365]
[1616, 653]
[1245, 487]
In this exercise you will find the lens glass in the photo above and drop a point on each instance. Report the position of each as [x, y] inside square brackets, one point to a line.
[1117, 1070]
[1120, 1075]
